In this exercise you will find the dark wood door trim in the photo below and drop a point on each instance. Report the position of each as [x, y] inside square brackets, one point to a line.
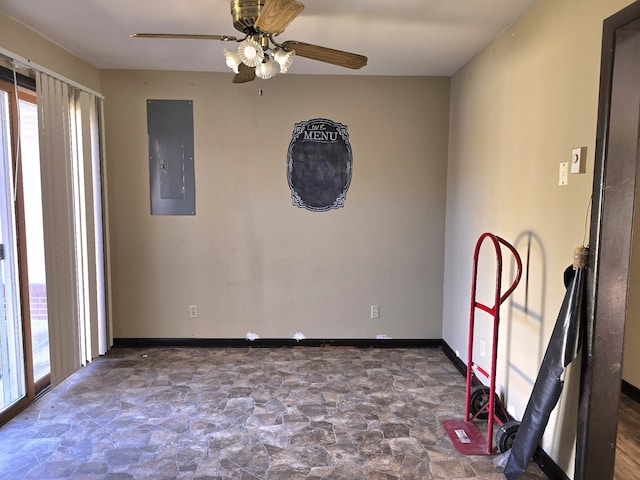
[614, 188]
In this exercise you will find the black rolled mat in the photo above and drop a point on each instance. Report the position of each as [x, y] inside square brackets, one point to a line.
[562, 349]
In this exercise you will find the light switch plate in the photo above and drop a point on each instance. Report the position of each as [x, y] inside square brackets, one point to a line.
[563, 175]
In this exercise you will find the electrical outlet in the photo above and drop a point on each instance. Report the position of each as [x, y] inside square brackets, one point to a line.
[193, 311]
[375, 311]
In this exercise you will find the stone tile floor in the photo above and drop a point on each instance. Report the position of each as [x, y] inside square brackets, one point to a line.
[245, 414]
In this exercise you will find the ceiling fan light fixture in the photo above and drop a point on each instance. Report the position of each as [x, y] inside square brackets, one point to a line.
[250, 52]
[258, 54]
[283, 58]
[233, 59]
[266, 69]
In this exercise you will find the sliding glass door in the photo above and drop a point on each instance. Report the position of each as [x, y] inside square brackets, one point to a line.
[24, 332]
[12, 371]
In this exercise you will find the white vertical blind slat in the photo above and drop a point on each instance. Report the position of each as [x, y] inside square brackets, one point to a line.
[80, 223]
[90, 285]
[96, 244]
[106, 324]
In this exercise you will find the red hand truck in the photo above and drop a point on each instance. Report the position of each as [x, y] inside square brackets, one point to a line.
[481, 401]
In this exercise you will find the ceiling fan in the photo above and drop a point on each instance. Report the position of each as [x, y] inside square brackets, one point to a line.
[258, 54]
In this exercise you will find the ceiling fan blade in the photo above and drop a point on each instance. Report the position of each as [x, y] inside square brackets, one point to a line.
[185, 36]
[276, 15]
[245, 74]
[328, 55]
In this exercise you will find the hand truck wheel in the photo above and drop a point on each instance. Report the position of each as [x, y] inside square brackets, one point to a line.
[506, 435]
[478, 399]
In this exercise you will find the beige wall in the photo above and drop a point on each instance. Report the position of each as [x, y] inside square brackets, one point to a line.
[249, 259]
[517, 110]
[22, 41]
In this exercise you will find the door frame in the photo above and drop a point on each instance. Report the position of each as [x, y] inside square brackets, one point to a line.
[613, 196]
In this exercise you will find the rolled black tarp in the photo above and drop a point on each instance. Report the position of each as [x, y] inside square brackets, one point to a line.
[562, 349]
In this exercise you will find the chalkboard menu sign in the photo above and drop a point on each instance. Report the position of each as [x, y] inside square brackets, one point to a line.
[319, 165]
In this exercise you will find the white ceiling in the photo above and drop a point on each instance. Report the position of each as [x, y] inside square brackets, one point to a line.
[400, 37]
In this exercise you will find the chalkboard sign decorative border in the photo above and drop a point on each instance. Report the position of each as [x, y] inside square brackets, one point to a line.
[319, 164]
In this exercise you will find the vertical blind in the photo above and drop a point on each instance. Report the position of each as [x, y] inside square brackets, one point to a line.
[70, 157]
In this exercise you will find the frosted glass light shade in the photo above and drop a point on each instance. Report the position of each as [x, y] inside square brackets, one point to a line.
[250, 52]
[284, 59]
[232, 59]
[266, 69]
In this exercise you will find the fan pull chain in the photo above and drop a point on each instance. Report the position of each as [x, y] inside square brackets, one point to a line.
[260, 91]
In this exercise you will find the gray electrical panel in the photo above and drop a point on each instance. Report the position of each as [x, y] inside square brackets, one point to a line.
[171, 160]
